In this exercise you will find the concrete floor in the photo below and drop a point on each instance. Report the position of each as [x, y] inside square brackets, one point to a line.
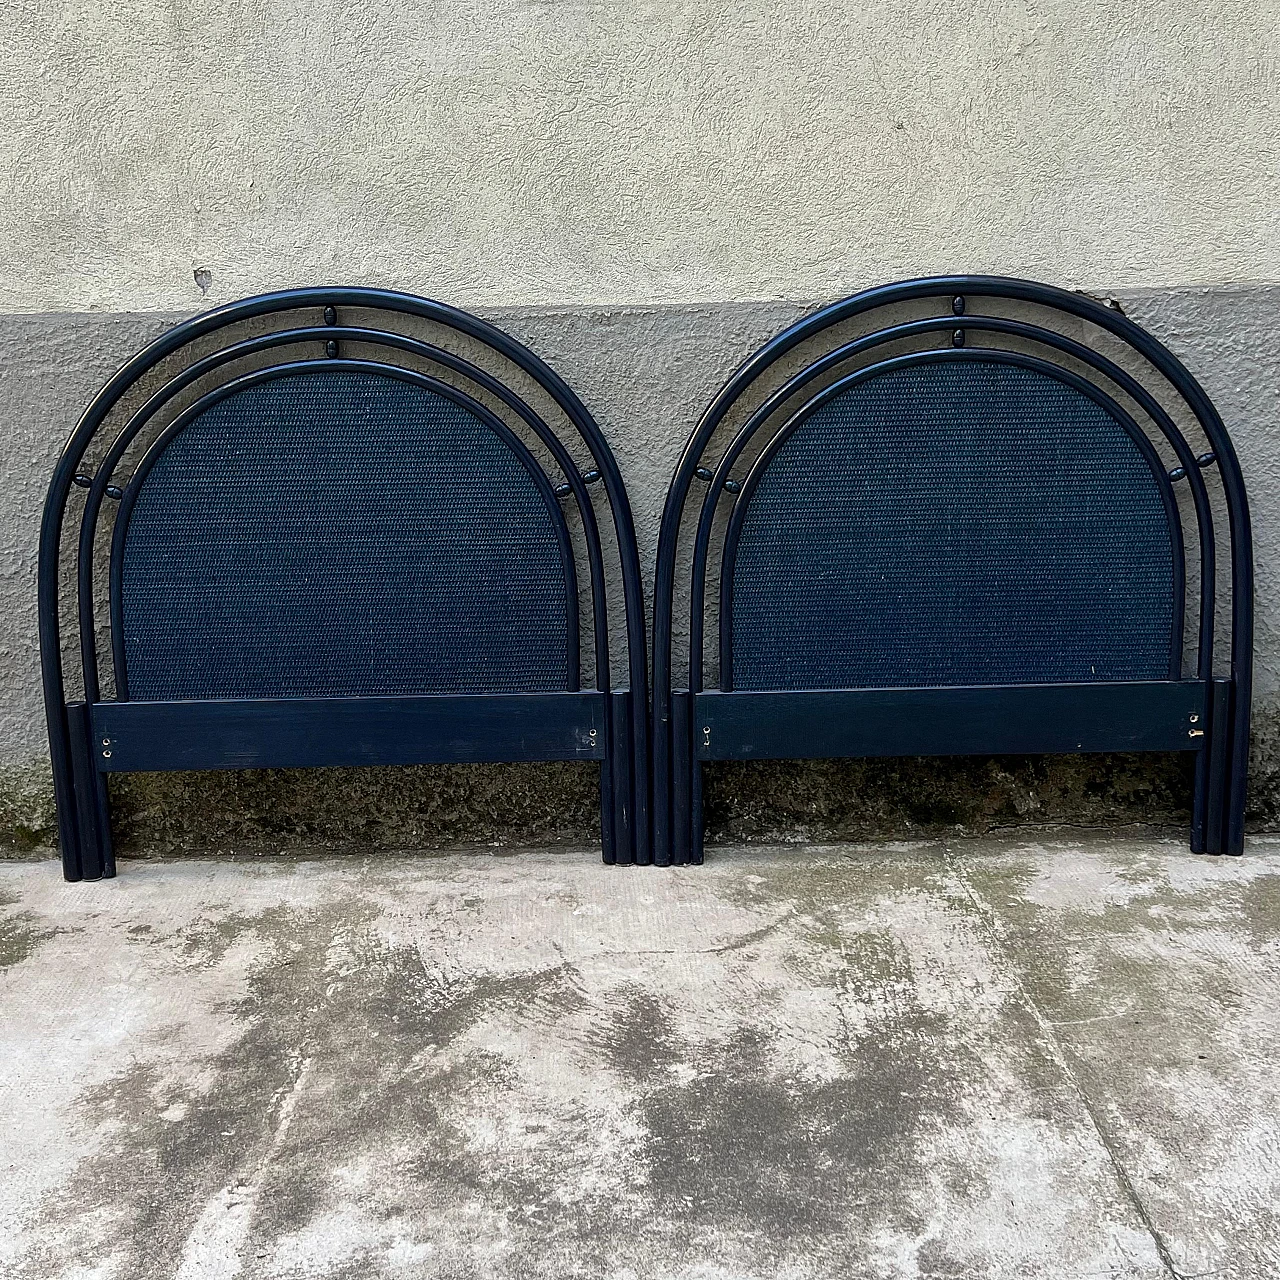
[981, 1059]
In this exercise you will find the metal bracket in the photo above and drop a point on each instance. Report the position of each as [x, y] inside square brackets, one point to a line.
[587, 477]
[331, 347]
[1204, 460]
[706, 475]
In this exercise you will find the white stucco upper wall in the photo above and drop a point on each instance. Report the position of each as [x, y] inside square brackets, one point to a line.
[562, 152]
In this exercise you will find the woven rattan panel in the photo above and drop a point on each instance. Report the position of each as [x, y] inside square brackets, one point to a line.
[341, 533]
[954, 523]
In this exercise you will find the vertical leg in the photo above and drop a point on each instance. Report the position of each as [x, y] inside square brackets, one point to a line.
[93, 820]
[1236, 751]
[608, 833]
[64, 792]
[636, 752]
[682, 769]
[661, 811]
[623, 778]
[1200, 791]
[696, 830]
[106, 845]
[694, 818]
[1215, 762]
[608, 845]
[1200, 801]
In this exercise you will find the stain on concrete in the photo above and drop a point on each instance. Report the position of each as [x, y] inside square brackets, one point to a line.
[1154, 972]
[793, 1162]
[807, 1065]
[20, 934]
[327, 994]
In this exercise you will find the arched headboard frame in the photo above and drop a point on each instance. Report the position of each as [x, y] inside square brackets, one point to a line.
[188, 369]
[978, 318]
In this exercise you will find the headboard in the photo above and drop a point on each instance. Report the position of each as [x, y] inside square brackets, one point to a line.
[929, 505]
[339, 526]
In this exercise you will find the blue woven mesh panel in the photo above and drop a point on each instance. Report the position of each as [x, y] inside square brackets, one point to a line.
[341, 533]
[955, 523]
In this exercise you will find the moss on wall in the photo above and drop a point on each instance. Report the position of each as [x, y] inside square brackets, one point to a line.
[424, 807]
[27, 819]
[856, 799]
[290, 811]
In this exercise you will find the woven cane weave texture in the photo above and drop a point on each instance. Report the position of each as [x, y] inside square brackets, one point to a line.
[341, 533]
[954, 523]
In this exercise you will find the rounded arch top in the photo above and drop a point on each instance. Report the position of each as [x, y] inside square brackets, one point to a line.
[957, 297]
[331, 301]
[952, 517]
[338, 527]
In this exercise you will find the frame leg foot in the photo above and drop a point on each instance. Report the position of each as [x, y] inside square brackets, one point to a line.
[93, 818]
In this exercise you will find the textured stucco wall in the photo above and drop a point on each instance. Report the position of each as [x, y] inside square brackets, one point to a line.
[644, 193]
[504, 153]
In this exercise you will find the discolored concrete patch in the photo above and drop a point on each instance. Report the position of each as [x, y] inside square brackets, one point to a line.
[1158, 976]
[894, 1061]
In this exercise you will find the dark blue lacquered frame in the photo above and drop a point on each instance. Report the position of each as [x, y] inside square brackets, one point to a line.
[1207, 714]
[90, 737]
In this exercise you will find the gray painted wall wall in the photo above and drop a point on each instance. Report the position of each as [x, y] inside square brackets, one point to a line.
[643, 193]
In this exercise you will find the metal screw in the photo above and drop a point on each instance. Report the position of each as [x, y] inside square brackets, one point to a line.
[106, 742]
[1195, 733]
[1195, 719]
[106, 755]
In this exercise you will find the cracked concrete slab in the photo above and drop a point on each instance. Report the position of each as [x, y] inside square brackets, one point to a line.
[988, 1058]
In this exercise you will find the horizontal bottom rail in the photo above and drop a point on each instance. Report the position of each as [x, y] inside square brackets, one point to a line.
[284, 733]
[1149, 715]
